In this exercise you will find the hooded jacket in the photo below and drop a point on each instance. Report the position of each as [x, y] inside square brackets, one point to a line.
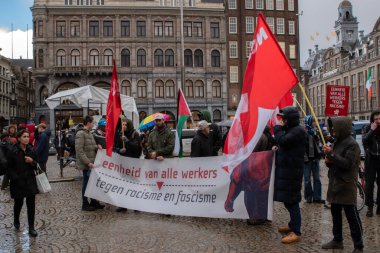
[343, 163]
[85, 148]
[290, 139]
[215, 134]
[42, 149]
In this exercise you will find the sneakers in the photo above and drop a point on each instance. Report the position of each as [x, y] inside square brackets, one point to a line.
[284, 229]
[88, 208]
[333, 245]
[33, 233]
[290, 238]
[369, 212]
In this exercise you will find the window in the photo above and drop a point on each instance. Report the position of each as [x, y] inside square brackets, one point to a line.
[125, 28]
[61, 58]
[283, 46]
[249, 4]
[199, 89]
[158, 29]
[270, 22]
[198, 58]
[169, 89]
[74, 29]
[280, 5]
[94, 57]
[215, 58]
[249, 23]
[75, 58]
[198, 29]
[141, 29]
[248, 45]
[233, 25]
[107, 28]
[270, 5]
[169, 58]
[108, 56]
[292, 51]
[40, 28]
[169, 28]
[233, 49]
[141, 89]
[260, 4]
[187, 26]
[125, 58]
[44, 94]
[232, 4]
[188, 58]
[217, 116]
[290, 5]
[40, 58]
[280, 26]
[159, 89]
[61, 29]
[189, 89]
[141, 58]
[292, 30]
[214, 29]
[159, 59]
[94, 28]
[126, 88]
[234, 75]
[216, 89]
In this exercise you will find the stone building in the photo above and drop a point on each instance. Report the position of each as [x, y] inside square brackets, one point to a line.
[76, 40]
[347, 63]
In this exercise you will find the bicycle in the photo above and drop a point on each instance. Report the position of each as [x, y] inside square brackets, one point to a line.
[360, 184]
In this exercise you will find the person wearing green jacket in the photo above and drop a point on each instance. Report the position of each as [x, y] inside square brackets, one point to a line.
[161, 140]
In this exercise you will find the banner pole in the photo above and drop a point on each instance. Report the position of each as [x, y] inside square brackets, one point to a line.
[312, 112]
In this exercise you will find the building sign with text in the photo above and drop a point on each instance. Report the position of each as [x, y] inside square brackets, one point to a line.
[337, 98]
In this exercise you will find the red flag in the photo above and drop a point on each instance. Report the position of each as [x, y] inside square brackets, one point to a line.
[113, 111]
[268, 78]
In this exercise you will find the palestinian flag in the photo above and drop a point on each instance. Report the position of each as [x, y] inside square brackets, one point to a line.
[183, 113]
[368, 84]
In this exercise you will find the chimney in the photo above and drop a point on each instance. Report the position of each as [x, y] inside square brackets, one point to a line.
[310, 52]
[316, 49]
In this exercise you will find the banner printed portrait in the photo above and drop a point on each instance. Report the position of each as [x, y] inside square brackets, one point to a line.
[186, 186]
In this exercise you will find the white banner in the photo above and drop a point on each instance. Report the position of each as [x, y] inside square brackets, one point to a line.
[184, 186]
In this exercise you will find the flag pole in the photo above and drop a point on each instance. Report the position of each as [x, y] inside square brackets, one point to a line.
[312, 112]
[299, 105]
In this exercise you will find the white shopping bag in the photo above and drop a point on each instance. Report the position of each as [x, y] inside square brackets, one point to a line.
[43, 184]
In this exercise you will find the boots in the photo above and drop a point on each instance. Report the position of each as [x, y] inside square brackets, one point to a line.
[33, 232]
[290, 238]
[285, 229]
[333, 245]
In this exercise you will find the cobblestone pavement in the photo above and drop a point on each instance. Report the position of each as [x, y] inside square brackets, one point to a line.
[63, 227]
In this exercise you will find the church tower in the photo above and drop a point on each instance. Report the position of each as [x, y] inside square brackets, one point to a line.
[346, 27]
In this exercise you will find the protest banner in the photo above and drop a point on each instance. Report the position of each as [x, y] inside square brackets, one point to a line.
[337, 98]
[187, 186]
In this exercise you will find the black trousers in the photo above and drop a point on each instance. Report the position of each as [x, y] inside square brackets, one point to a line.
[372, 174]
[31, 207]
[354, 222]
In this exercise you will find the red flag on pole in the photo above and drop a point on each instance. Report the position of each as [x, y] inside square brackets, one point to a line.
[268, 78]
[113, 111]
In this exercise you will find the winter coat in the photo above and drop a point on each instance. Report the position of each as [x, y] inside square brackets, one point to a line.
[343, 163]
[85, 148]
[100, 138]
[289, 158]
[21, 174]
[266, 141]
[215, 133]
[42, 150]
[201, 145]
[312, 142]
[132, 144]
[162, 142]
[371, 142]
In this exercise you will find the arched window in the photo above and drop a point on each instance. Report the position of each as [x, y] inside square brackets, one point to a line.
[216, 89]
[198, 58]
[217, 116]
[94, 57]
[141, 89]
[40, 58]
[75, 57]
[61, 57]
[108, 55]
[158, 58]
[199, 89]
[141, 58]
[215, 58]
[44, 94]
[188, 58]
[159, 89]
[126, 88]
[169, 89]
[125, 58]
[169, 58]
[189, 89]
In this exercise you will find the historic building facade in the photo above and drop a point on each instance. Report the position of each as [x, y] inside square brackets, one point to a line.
[347, 63]
[75, 42]
[241, 17]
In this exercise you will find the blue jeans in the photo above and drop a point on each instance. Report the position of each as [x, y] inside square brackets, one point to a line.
[295, 217]
[315, 192]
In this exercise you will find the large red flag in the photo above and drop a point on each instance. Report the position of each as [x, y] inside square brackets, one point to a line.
[268, 78]
[113, 111]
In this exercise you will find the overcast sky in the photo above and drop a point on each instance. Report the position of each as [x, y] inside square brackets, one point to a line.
[316, 24]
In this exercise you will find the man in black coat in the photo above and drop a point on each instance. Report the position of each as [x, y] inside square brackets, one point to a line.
[201, 144]
[290, 138]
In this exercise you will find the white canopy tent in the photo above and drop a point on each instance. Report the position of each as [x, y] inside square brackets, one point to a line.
[84, 96]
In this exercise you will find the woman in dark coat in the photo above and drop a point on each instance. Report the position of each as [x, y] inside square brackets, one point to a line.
[21, 166]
